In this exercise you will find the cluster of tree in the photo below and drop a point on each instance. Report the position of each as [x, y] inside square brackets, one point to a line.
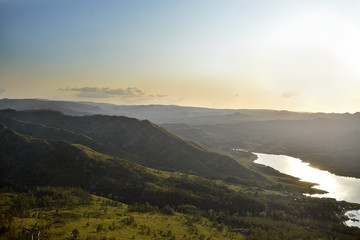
[49, 198]
[281, 218]
[289, 223]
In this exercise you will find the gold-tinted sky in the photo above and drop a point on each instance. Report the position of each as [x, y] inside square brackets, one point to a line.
[294, 55]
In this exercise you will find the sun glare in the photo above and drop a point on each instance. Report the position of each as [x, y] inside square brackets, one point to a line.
[328, 32]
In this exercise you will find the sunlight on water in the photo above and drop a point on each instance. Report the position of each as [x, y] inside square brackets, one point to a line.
[338, 187]
[355, 214]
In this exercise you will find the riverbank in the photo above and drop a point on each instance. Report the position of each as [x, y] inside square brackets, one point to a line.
[341, 188]
[352, 218]
[343, 191]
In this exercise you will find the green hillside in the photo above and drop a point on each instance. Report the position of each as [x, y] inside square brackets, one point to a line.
[149, 144]
[61, 213]
[26, 162]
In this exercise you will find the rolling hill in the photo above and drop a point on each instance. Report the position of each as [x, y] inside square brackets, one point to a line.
[327, 140]
[26, 162]
[330, 144]
[145, 142]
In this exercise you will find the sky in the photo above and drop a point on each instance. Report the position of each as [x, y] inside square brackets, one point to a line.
[261, 54]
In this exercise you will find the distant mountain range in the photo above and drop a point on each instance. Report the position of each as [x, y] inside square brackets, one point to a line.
[161, 114]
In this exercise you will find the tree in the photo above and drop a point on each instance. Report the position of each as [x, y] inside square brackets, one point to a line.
[75, 234]
[34, 231]
[31, 230]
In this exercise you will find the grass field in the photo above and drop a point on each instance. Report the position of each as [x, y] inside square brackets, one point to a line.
[106, 219]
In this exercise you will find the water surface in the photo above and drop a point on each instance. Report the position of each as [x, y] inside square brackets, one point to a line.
[354, 214]
[338, 187]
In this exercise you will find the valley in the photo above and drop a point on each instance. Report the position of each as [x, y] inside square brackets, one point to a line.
[137, 180]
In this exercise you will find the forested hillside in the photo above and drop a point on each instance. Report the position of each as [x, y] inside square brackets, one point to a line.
[149, 144]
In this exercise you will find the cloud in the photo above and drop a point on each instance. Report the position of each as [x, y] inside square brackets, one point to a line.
[289, 94]
[2, 90]
[131, 93]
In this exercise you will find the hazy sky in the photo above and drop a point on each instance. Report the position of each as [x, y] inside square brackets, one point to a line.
[294, 55]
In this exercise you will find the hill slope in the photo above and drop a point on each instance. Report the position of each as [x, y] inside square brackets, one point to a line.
[268, 131]
[30, 164]
[329, 144]
[150, 145]
[26, 162]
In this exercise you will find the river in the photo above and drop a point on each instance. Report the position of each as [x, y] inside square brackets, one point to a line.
[338, 187]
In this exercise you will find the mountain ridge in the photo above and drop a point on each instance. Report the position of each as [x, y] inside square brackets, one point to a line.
[161, 114]
[153, 146]
[26, 162]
